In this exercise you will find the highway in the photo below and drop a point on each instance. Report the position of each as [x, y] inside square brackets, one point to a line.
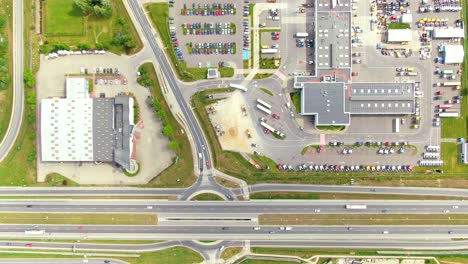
[206, 209]
[18, 88]
[227, 232]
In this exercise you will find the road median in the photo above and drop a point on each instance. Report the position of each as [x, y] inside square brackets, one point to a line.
[78, 219]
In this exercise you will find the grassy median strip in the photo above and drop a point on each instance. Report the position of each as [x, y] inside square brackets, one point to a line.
[78, 219]
[363, 219]
[230, 252]
[97, 197]
[345, 196]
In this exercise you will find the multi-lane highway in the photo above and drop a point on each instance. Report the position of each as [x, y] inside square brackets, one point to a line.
[227, 232]
[18, 89]
[244, 209]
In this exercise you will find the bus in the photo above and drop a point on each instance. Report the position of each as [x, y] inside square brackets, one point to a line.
[265, 110]
[356, 206]
[263, 103]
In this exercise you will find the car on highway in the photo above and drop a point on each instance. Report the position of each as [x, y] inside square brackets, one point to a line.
[256, 228]
[317, 210]
[28, 245]
[450, 232]
[446, 211]
[208, 163]
[349, 228]
[385, 232]
[455, 206]
[81, 227]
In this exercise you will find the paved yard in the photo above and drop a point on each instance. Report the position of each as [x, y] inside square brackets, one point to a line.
[151, 147]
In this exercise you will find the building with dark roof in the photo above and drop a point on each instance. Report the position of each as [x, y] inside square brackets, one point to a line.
[87, 129]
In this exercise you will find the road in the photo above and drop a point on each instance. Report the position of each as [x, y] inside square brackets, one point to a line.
[227, 232]
[18, 87]
[234, 209]
[60, 261]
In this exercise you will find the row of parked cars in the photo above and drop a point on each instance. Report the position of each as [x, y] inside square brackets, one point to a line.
[246, 34]
[207, 10]
[369, 168]
[219, 31]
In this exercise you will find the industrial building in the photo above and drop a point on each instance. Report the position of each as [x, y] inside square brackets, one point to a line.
[453, 54]
[329, 94]
[82, 129]
[447, 33]
[464, 153]
[399, 35]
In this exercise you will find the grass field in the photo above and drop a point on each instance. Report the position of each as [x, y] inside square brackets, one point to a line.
[179, 174]
[70, 22]
[7, 94]
[262, 76]
[64, 23]
[363, 219]
[174, 255]
[458, 127]
[158, 13]
[451, 157]
[89, 241]
[226, 183]
[296, 100]
[230, 252]
[262, 261]
[207, 197]
[345, 196]
[78, 219]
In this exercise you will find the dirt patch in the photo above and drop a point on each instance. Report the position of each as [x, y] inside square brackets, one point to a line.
[234, 125]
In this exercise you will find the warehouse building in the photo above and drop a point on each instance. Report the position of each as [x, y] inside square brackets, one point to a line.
[81, 129]
[447, 33]
[399, 35]
[453, 54]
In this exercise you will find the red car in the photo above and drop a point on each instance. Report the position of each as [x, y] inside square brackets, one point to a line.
[208, 163]
[81, 227]
[28, 245]
[354, 74]
[275, 116]
[440, 93]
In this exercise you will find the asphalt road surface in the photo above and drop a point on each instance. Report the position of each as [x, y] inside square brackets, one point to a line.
[298, 233]
[208, 209]
[18, 88]
[60, 261]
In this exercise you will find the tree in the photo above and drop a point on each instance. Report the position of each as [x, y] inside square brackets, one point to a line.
[173, 145]
[100, 8]
[29, 79]
[167, 130]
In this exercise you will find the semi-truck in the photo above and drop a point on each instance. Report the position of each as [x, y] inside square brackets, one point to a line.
[396, 125]
[264, 109]
[302, 35]
[269, 51]
[265, 125]
[449, 114]
[356, 206]
[260, 101]
[34, 232]
[445, 106]
[238, 86]
[451, 83]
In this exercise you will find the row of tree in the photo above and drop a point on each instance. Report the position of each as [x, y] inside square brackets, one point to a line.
[99, 8]
[4, 70]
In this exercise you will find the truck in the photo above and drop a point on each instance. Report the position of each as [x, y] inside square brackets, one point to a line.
[449, 114]
[34, 232]
[238, 86]
[264, 109]
[447, 72]
[396, 125]
[263, 103]
[356, 206]
[265, 125]
[451, 83]
[269, 51]
[302, 35]
[445, 106]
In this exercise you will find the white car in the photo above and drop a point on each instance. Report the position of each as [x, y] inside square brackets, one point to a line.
[455, 206]
[256, 228]
[446, 211]
[317, 210]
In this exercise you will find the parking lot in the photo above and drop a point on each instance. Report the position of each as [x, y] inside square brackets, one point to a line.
[210, 34]
[149, 141]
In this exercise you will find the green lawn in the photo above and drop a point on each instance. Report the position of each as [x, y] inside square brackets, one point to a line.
[6, 96]
[63, 18]
[78, 219]
[267, 91]
[207, 197]
[399, 25]
[331, 128]
[262, 76]
[269, 261]
[268, 63]
[451, 157]
[63, 23]
[296, 100]
[174, 255]
[458, 127]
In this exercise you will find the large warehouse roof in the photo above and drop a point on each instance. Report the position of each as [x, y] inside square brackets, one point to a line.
[453, 54]
[77, 88]
[67, 129]
[399, 35]
[326, 101]
[449, 33]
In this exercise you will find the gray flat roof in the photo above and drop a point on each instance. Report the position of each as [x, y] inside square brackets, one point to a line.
[123, 123]
[103, 129]
[334, 5]
[382, 91]
[326, 101]
[333, 40]
[373, 107]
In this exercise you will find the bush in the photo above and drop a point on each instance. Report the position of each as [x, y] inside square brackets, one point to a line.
[29, 79]
[100, 8]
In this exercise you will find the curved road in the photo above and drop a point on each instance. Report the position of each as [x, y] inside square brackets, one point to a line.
[18, 88]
